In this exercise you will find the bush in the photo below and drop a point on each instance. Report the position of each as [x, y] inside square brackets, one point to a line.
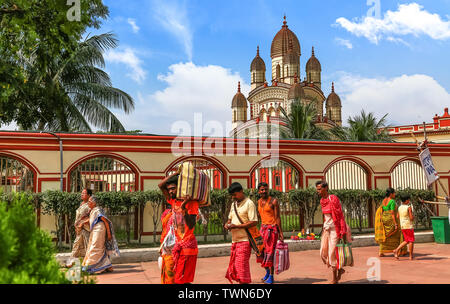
[27, 253]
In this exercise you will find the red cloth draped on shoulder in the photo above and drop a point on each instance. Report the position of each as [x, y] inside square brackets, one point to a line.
[166, 221]
[336, 214]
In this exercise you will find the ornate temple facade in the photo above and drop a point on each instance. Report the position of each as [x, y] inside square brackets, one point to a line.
[260, 112]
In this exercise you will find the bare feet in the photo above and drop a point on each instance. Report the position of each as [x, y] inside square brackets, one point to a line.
[395, 253]
[411, 258]
[340, 273]
[110, 269]
[381, 255]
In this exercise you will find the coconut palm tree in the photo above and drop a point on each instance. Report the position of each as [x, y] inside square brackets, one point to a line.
[301, 122]
[363, 127]
[76, 92]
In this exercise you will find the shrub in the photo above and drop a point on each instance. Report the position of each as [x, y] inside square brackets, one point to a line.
[27, 253]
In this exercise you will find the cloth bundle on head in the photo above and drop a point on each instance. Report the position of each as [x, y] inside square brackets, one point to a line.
[194, 183]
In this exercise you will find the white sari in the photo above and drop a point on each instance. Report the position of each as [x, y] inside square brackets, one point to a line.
[100, 249]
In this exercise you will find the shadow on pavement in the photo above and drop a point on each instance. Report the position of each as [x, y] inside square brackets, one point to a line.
[365, 281]
[126, 269]
[301, 281]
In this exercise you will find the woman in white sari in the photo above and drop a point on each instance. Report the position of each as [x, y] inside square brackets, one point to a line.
[102, 242]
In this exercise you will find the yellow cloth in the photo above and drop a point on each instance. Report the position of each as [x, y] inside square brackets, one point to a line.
[194, 183]
[380, 235]
[391, 242]
[405, 221]
[248, 213]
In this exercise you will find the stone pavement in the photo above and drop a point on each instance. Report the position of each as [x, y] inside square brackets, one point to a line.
[430, 266]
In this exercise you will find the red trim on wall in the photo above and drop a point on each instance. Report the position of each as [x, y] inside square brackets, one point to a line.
[414, 159]
[26, 162]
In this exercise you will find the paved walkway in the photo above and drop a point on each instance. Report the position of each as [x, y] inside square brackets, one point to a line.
[431, 265]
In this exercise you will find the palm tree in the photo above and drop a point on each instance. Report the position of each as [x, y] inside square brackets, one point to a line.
[364, 127]
[301, 122]
[77, 93]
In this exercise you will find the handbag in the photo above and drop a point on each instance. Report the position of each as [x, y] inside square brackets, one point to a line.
[169, 240]
[254, 237]
[281, 262]
[344, 255]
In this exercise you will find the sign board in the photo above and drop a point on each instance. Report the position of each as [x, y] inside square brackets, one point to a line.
[428, 167]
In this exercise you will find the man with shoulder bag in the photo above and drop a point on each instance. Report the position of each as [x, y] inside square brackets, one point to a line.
[242, 222]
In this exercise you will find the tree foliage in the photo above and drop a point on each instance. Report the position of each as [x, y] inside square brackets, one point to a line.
[363, 127]
[301, 122]
[27, 253]
[50, 76]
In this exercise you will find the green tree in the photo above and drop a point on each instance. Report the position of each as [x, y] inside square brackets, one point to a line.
[50, 78]
[363, 127]
[27, 253]
[301, 122]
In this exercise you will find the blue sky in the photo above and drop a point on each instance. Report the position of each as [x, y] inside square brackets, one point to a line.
[177, 58]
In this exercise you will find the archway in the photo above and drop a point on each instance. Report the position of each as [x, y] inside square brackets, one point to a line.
[279, 175]
[408, 174]
[102, 173]
[347, 174]
[15, 175]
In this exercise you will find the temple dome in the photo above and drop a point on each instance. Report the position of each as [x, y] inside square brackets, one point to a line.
[313, 63]
[281, 41]
[239, 100]
[258, 63]
[333, 99]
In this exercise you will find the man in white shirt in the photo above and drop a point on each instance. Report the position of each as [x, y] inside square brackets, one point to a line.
[243, 215]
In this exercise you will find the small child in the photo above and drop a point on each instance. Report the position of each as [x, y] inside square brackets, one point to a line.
[406, 223]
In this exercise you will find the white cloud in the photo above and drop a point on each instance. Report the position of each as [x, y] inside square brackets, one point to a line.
[133, 24]
[174, 18]
[190, 89]
[344, 42]
[129, 58]
[409, 19]
[407, 98]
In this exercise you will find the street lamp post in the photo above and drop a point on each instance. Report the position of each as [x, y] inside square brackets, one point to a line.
[61, 184]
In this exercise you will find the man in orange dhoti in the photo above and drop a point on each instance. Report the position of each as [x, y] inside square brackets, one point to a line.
[185, 213]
